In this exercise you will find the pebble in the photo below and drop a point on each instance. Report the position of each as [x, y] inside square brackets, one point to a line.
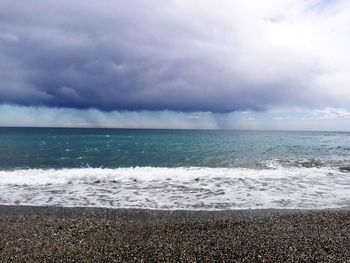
[303, 237]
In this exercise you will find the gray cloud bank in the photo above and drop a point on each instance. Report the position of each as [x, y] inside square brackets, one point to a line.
[218, 56]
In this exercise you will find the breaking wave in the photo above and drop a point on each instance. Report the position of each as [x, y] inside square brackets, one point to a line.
[195, 188]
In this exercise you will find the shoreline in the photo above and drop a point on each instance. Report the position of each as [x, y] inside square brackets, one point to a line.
[57, 234]
[147, 215]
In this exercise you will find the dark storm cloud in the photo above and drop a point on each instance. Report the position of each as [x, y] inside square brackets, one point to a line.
[151, 55]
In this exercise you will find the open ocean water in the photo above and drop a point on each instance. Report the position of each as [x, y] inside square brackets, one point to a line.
[174, 169]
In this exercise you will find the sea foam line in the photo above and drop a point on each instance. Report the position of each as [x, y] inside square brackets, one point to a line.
[91, 175]
[194, 188]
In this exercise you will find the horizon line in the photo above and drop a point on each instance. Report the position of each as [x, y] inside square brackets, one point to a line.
[184, 129]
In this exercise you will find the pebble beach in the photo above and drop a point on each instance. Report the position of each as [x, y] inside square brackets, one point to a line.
[53, 234]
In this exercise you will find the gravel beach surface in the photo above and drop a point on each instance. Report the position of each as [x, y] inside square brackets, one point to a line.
[52, 234]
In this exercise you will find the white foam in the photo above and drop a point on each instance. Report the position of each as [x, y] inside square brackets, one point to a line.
[178, 188]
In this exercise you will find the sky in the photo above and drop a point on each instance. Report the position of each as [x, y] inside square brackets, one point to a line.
[271, 64]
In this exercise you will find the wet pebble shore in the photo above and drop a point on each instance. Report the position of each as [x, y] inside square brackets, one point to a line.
[318, 236]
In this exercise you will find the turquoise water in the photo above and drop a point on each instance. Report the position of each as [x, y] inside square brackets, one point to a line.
[113, 148]
[174, 169]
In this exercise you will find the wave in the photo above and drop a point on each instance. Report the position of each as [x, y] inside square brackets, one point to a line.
[178, 188]
[92, 175]
[294, 162]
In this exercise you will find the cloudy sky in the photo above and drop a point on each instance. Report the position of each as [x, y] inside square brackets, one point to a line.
[271, 64]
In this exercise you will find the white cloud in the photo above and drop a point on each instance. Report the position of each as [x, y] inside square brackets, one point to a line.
[332, 113]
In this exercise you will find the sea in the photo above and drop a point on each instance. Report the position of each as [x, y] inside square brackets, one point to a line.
[174, 169]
